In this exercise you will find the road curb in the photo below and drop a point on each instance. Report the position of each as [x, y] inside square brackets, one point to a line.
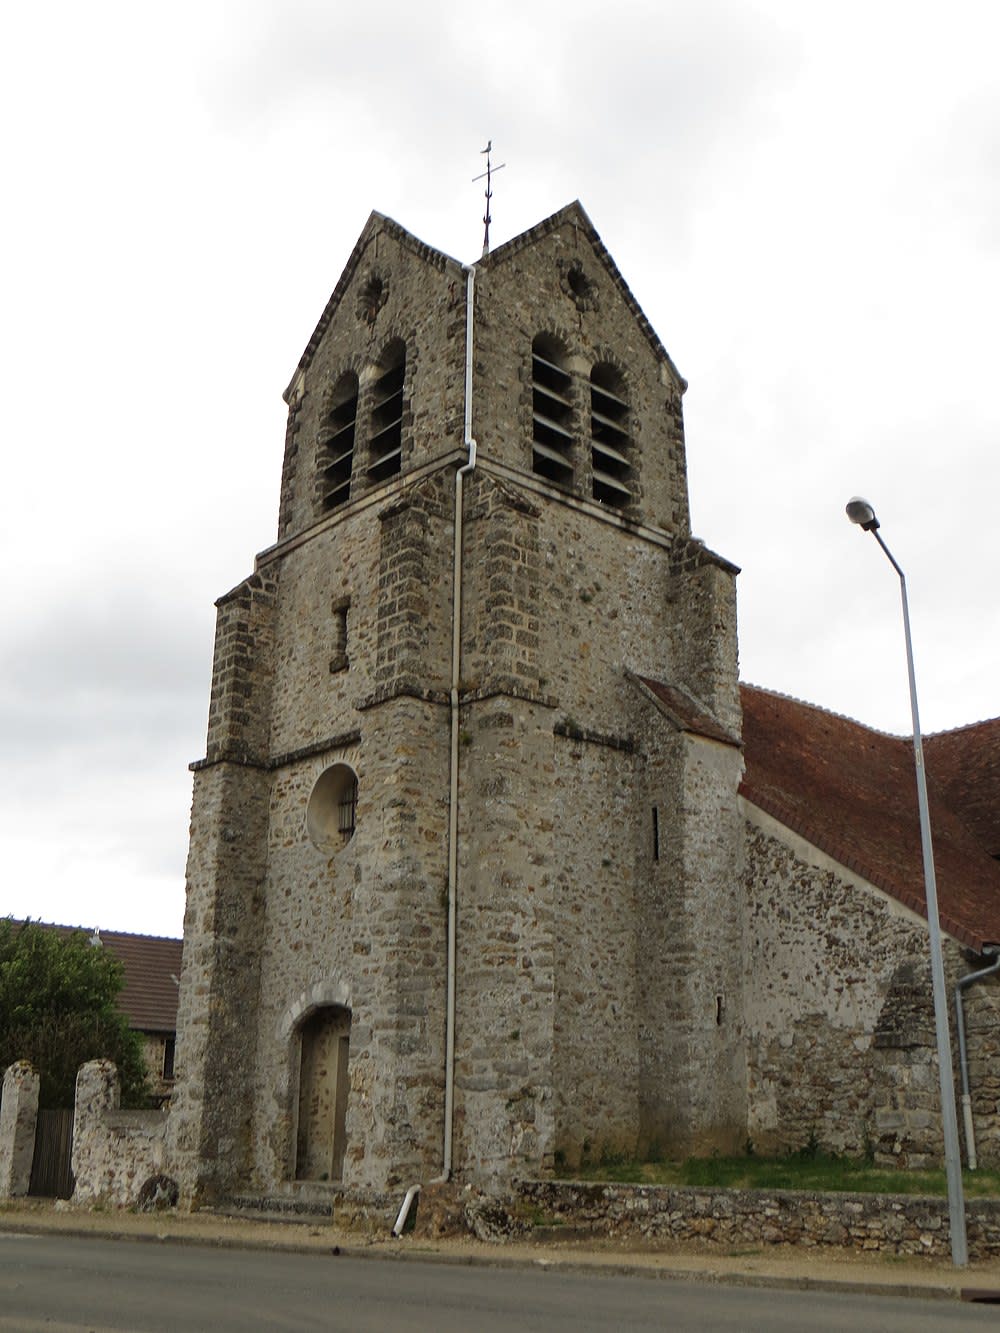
[418, 1252]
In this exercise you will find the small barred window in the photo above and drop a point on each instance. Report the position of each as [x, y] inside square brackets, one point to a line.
[332, 808]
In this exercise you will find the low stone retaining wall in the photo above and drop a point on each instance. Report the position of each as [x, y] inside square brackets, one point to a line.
[114, 1152]
[886, 1223]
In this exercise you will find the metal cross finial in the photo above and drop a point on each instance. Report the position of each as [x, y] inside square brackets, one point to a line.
[488, 174]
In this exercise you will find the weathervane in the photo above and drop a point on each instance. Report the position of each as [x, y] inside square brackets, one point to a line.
[488, 174]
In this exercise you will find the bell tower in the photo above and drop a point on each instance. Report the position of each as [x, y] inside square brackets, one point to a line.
[462, 887]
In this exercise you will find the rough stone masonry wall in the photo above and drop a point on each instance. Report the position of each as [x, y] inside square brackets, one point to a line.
[420, 300]
[982, 1033]
[595, 1037]
[114, 1152]
[507, 919]
[558, 606]
[841, 1040]
[318, 690]
[690, 951]
[689, 880]
[210, 1128]
[703, 637]
[558, 284]
[602, 609]
[279, 927]
[879, 1223]
[362, 926]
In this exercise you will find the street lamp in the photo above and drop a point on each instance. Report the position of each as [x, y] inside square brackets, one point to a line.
[861, 512]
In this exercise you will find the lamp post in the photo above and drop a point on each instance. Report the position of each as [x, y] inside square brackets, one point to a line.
[861, 512]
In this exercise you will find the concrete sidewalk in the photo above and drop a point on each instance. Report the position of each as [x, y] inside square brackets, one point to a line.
[778, 1266]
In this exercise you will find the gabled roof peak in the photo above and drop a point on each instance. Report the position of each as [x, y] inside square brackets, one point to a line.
[378, 223]
[573, 214]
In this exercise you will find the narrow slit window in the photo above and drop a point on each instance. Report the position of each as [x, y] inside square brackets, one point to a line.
[337, 440]
[656, 833]
[339, 660]
[551, 412]
[609, 437]
[385, 444]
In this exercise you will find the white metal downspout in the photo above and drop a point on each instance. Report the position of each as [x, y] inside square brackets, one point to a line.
[456, 675]
[456, 671]
[963, 1056]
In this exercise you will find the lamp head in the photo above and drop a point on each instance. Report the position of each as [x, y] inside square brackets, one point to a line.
[861, 512]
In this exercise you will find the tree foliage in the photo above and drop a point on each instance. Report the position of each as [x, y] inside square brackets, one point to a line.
[59, 1008]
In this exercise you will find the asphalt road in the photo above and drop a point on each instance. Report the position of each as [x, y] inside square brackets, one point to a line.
[62, 1283]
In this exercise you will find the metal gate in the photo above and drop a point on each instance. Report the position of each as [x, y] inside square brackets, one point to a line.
[51, 1169]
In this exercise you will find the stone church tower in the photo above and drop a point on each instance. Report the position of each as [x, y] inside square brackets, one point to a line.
[463, 887]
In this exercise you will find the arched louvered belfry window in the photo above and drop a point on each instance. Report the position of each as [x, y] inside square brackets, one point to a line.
[385, 443]
[337, 440]
[610, 444]
[551, 412]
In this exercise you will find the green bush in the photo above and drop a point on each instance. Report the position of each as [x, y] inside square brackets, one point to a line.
[59, 1008]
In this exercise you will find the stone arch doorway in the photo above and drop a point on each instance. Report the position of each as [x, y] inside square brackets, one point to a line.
[321, 1136]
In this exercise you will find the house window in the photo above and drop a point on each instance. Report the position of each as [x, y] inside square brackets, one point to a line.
[551, 412]
[331, 812]
[337, 440]
[610, 444]
[168, 1057]
[386, 442]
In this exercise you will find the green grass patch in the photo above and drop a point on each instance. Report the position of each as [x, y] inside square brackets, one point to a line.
[808, 1170]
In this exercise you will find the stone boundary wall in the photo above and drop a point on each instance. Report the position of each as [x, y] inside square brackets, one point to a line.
[886, 1223]
[114, 1152]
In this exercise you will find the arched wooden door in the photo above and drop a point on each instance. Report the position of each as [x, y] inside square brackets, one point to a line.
[323, 1080]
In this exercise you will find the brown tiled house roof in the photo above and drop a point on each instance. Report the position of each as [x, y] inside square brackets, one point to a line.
[966, 767]
[149, 996]
[851, 792]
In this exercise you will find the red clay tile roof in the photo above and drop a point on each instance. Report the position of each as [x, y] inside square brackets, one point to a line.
[149, 996]
[966, 767]
[686, 713]
[851, 791]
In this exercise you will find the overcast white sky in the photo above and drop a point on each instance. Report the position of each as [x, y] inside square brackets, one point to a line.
[804, 198]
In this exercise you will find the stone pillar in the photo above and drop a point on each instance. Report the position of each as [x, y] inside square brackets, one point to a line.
[18, 1115]
[703, 646]
[97, 1091]
[211, 1114]
[691, 915]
